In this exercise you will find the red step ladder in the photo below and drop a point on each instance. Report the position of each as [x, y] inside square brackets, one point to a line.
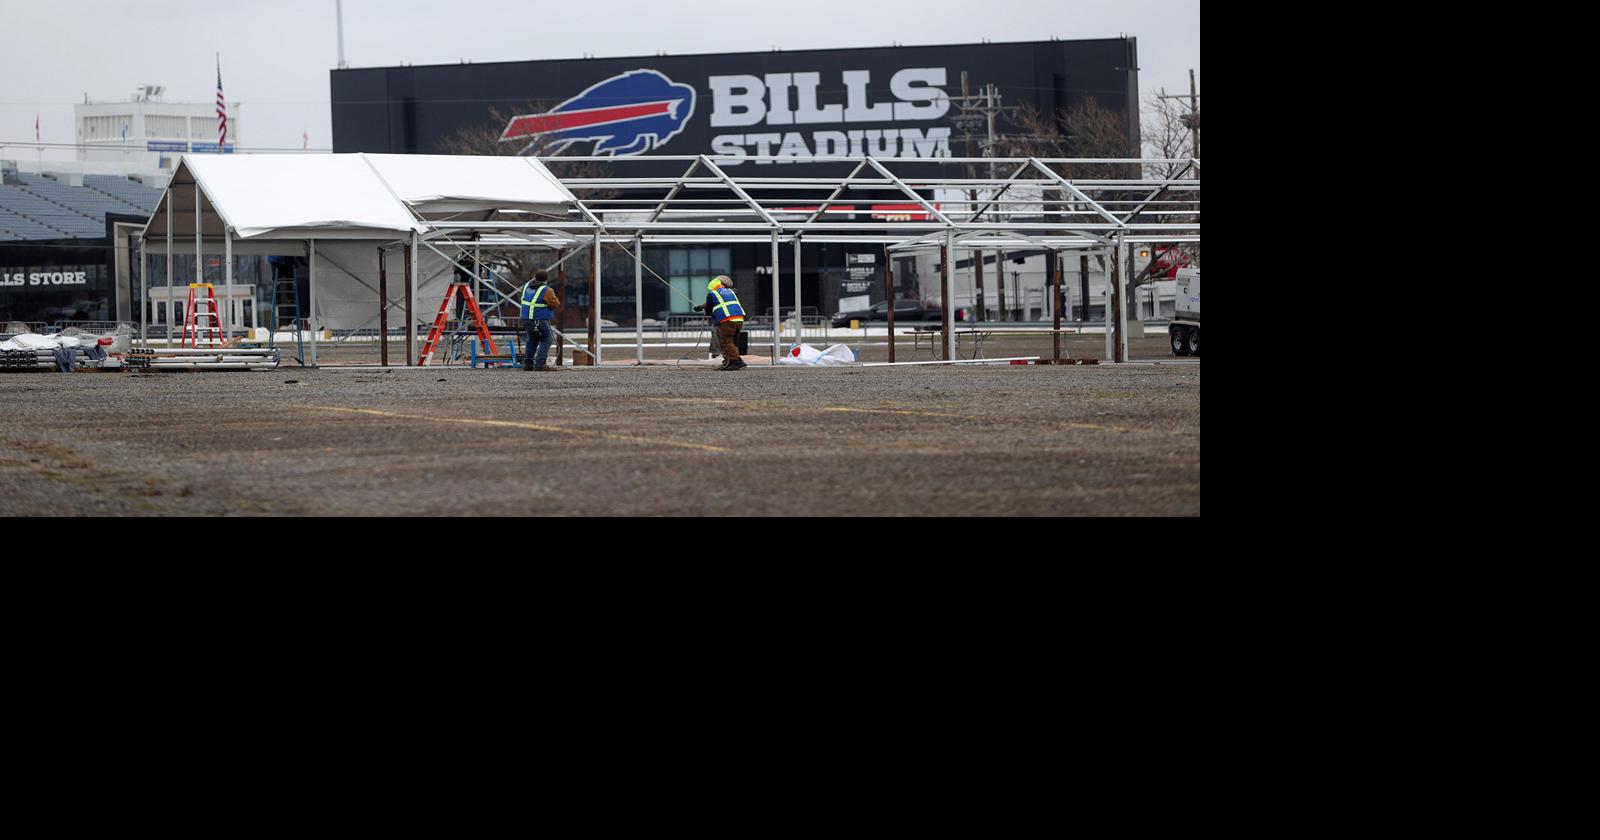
[201, 325]
[439, 323]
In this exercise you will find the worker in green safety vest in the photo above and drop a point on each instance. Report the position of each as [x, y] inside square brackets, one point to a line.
[728, 316]
[539, 309]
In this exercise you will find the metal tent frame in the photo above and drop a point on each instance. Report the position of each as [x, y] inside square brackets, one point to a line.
[707, 205]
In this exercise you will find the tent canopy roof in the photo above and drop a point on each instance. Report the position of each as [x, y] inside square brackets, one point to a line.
[349, 195]
[436, 185]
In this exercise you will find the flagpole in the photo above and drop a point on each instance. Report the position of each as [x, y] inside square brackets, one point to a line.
[222, 112]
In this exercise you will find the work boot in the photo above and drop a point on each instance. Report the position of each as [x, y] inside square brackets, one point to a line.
[543, 367]
[738, 365]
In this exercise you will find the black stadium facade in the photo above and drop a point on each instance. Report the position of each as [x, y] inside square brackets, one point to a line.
[890, 102]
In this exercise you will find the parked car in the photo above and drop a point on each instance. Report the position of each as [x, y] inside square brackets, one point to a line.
[904, 310]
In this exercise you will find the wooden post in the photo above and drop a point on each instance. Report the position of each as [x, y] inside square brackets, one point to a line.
[411, 321]
[888, 274]
[1055, 260]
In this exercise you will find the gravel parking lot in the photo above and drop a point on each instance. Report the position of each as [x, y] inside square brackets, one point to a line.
[917, 441]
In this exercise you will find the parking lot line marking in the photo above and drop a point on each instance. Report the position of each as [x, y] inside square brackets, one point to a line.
[697, 400]
[536, 427]
[961, 417]
[893, 411]
[1095, 426]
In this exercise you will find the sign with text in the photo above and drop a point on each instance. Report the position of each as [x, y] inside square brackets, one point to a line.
[887, 102]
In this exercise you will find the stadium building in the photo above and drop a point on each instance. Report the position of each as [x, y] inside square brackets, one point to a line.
[68, 254]
[146, 133]
[889, 102]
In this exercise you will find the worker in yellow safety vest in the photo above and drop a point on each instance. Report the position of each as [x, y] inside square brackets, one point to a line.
[728, 316]
[539, 309]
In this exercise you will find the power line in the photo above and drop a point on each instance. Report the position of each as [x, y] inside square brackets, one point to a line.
[131, 147]
[458, 100]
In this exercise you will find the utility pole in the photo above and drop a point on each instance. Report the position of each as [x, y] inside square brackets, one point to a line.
[1191, 119]
[972, 195]
[1194, 112]
[971, 108]
[988, 152]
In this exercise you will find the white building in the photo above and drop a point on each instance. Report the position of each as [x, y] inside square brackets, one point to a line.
[145, 133]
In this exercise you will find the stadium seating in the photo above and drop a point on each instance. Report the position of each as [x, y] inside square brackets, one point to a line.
[139, 196]
[13, 227]
[40, 207]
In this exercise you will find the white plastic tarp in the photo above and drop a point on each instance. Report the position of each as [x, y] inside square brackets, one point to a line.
[276, 194]
[347, 286]
[30, 341]
[805, 354]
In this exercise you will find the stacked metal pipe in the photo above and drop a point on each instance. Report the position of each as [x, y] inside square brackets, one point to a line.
[41, 359]
[186, 358]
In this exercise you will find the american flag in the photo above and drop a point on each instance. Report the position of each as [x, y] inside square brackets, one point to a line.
[222, 111]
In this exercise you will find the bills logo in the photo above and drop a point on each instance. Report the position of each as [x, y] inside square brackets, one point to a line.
[630, 114]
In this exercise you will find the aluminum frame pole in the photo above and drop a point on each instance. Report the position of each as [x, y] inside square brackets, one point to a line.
[799, 320]
[144, 288]
[594, 304]
[638, 299]
[777, 309]
[1110, 267]
[311, 297]
[199, 260]
[1122, 303]
[170, 308]
[1077, 194]
[227, 284]
[561, 318]
[739, 191]
[949, 313]
[413, 256]
[383, 308]
[677, 188]
[910, 193]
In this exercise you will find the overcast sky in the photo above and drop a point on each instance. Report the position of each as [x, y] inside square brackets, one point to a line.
[276, 55]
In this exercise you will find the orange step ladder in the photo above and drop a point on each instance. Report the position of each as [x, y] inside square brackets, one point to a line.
[201, 324]
[435, 334]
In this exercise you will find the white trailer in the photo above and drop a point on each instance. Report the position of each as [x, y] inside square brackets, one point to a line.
[1185, 326]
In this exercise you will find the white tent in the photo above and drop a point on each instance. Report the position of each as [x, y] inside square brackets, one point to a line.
[338, 210]
[450, 206]
[355, 196]
[436, 186]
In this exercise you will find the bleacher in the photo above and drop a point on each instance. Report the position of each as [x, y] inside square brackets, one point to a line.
[39, 207]
[136, 195]
[13, 226]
